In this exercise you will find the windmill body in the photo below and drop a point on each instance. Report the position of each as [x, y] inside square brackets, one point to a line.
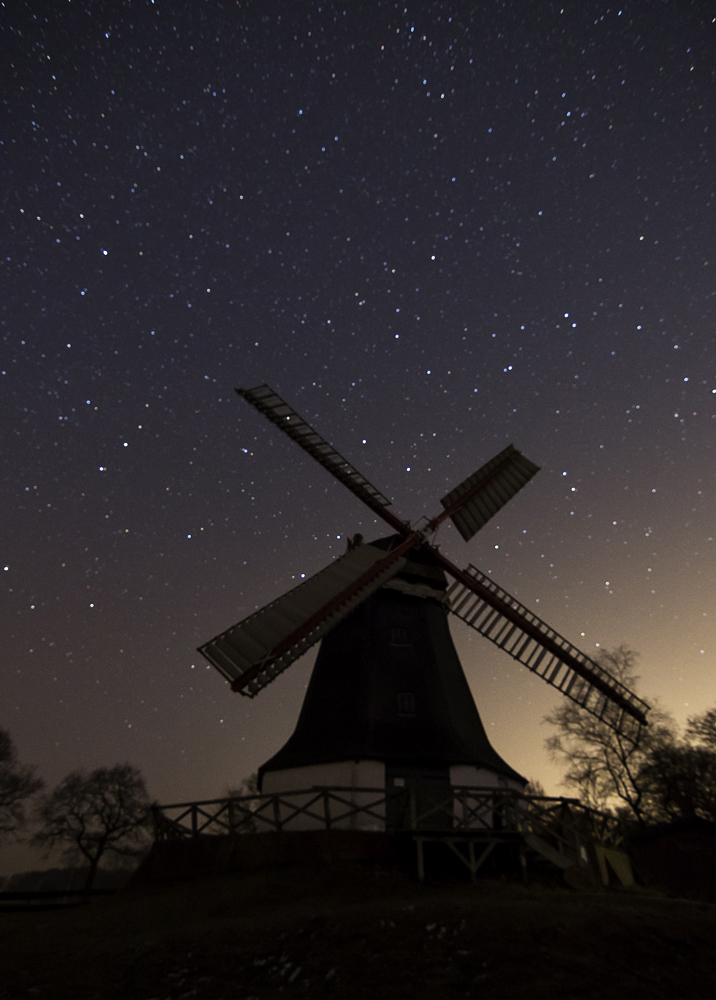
[388, 704]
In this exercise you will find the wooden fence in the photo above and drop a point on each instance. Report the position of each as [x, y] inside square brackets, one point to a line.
[564, 823]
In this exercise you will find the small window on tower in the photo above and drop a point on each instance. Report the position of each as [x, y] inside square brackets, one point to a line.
[406, 704]
[399, 636]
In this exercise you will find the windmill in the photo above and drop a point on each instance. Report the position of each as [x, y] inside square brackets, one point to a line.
[388, 704]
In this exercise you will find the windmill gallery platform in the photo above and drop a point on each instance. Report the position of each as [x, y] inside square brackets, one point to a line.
[461, 831]
[389, 756]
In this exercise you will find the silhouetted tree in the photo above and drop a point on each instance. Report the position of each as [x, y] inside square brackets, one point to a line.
[17, 785]
[702, 728]
[679, 782]
[90, 815]
[604, 767]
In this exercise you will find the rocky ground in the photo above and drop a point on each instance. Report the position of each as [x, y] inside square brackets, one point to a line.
[361, 932]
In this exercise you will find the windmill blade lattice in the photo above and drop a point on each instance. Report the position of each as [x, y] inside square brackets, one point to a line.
[541, 649]
[479, 497]
[286, 419]
[253, 653]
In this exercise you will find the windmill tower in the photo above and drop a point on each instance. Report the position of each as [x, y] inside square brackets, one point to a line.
[388, 704]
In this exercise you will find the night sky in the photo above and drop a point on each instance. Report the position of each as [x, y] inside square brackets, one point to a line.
[434, 229]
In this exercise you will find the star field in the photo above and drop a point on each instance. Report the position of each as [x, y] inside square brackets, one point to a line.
[433, 230]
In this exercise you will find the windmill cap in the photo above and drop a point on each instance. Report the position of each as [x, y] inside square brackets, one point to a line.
[420, 567]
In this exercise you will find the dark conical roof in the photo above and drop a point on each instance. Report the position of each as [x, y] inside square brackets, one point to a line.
[396, 643]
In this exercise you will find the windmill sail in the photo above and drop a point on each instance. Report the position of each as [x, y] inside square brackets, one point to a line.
[254, 652]
[478, 498]
[530, 641]
[286, 419]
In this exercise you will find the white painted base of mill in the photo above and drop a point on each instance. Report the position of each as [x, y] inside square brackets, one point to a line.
[354, 776]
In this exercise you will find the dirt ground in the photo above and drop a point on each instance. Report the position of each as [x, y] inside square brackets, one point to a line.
[361, 932]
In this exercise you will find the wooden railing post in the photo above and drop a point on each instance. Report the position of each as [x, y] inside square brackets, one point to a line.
[277, 813]
[194, 819]
[498, 810]
[576, 839]
[155, 823]
[421, 860]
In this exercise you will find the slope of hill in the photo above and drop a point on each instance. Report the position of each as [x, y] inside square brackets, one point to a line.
[361, 932]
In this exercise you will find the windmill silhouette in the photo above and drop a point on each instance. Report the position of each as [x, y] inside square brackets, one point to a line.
[388, 704]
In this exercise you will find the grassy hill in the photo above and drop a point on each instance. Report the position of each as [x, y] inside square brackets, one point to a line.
[354, 932]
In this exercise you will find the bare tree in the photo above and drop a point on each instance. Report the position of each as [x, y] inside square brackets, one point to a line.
[248, 786]
[89, 815]
[17, 785]
[603, 767]
[702, 728]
